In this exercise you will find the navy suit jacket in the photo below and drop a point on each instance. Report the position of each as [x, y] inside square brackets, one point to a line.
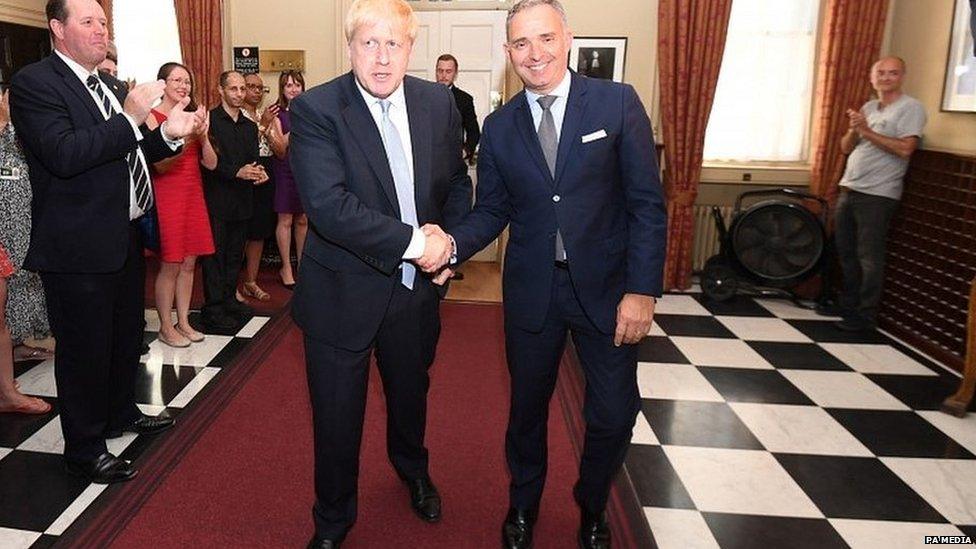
[605, 199]
[349, 266]
[78, 172]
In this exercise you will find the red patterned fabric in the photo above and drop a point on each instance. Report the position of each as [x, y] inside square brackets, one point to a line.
[849, 44]
[690, 48]
[6, 268]
[107, 7]
[202, 45]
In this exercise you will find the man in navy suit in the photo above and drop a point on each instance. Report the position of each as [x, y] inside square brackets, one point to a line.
[569, 163]
[376, 154]
[88, 153]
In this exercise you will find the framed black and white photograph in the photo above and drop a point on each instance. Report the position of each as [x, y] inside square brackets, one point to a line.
[599, 57]
[959, 92]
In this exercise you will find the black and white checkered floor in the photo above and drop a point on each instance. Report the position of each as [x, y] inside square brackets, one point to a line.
[38, 499]
[765, 426]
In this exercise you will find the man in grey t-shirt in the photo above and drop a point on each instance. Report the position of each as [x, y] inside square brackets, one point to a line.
[881, 139]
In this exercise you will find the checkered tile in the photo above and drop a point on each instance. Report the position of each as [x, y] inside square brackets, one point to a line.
[38, 499]
[763, 425]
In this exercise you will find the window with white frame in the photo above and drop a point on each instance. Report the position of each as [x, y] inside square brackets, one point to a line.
[764, 97]
[146, 36]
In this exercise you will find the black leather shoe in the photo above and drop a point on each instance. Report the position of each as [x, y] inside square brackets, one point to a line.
[105, 469]
[145, 425]
[517, 529]
[322, 543]
[594, 531]
[238, 309]
[854, 324]
[424, 499]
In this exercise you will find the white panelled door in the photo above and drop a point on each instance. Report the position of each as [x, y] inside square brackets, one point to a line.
[476, 39]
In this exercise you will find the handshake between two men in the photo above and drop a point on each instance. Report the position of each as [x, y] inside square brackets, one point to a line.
[438, 249]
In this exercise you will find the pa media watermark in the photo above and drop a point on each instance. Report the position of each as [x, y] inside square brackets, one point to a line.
[948, 540]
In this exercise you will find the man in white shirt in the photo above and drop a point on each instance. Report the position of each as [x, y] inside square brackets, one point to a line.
[369, 176]
[88, 154]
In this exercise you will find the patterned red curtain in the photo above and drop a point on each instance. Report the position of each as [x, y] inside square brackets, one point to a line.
[107, 7]
[850, 42]
[690, 48]
[202, 45]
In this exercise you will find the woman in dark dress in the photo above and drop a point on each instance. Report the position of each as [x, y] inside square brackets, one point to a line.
[291, 216]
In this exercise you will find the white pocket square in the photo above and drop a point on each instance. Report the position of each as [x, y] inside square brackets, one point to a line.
[599, 134]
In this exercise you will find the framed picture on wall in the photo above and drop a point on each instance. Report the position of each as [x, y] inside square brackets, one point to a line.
[959, 92]
[599, 57]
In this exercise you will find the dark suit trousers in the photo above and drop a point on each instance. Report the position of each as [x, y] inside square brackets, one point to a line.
[222, 269]
[337, 381]
[610, 405]
[97, 320]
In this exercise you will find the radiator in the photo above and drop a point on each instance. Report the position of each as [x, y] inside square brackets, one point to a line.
[706, 234]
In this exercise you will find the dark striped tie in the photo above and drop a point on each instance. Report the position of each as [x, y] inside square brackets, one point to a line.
[137, 169]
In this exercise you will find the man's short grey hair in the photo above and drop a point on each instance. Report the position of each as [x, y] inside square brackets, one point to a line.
[526, 4]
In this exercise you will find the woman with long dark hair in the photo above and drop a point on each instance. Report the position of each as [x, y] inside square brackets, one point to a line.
[184, 227]
[291, 216]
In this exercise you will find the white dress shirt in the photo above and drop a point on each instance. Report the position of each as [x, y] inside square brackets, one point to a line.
[398, 116]
[558, 107]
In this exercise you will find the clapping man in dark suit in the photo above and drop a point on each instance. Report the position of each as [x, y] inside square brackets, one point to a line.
[88, 154]
[570, 163]
[446, 71]
[373, 161]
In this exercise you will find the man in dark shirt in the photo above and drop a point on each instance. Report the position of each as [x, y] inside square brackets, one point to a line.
[446, 71]
[228, 190]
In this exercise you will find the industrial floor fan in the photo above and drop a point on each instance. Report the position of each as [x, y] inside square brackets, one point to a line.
[769, 247]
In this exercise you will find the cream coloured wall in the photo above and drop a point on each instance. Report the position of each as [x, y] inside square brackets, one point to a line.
[308, 25]
[920, 33]
[24, 12]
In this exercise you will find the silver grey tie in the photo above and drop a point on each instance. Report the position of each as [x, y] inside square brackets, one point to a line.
[401, 178]
[550, 148]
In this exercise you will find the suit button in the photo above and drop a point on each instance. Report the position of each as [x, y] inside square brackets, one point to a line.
[556, 198]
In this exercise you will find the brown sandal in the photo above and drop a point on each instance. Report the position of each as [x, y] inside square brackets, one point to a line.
[251, 289]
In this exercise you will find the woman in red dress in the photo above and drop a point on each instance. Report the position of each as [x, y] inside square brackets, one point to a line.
[184, 227]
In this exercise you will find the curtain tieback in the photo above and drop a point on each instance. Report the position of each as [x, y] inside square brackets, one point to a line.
[683, 198]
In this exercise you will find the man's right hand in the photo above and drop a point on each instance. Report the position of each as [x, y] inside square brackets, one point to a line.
[252, 172]
[141, 99]
[437, 249]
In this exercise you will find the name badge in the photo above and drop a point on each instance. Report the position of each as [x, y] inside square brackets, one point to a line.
[9, 173]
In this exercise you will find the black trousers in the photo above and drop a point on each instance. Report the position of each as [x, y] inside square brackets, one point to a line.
[337, 382]
[610, 405]
[861, 230]
[222, 269]
[97, 320]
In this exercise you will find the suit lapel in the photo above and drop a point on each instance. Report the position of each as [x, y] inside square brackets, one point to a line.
[526, 128]
[569, 138]
[418, 113]
[74, 84]
[363, 127]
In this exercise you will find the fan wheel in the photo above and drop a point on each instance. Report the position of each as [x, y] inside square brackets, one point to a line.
[779, 242]
[718, 279]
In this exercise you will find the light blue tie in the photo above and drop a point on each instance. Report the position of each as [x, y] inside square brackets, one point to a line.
[401, 178]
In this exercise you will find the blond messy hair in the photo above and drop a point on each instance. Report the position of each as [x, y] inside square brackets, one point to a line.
[370, 12]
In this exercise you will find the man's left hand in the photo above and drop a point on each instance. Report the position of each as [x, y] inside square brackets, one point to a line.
[180, 123]
[635, 313]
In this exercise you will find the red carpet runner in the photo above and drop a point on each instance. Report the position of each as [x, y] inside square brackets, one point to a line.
[248, 480]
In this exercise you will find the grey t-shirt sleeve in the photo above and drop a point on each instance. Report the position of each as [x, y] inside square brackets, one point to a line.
[912, 121]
